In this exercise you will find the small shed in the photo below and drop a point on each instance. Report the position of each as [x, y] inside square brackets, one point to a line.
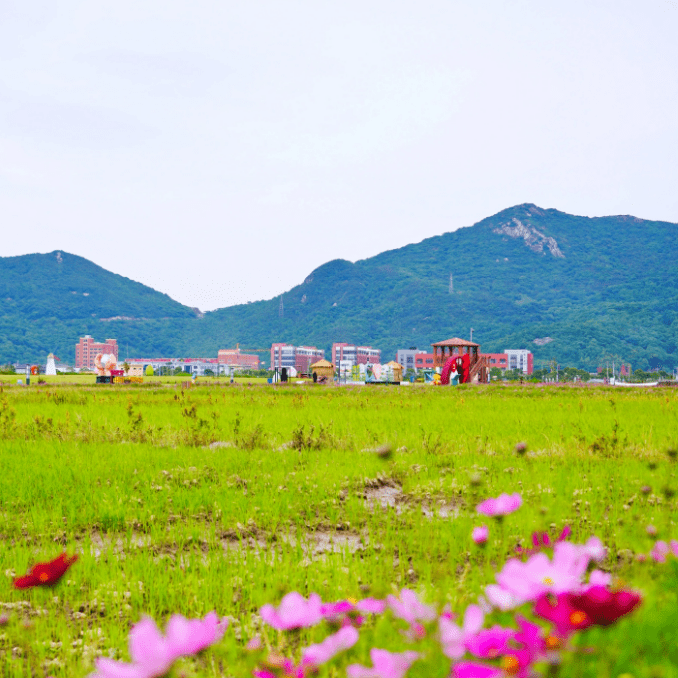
[323, 368]
[397, 370]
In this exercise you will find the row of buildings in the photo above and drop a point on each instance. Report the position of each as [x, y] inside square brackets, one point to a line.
[510, 359]
[226, 361]
[343, 356]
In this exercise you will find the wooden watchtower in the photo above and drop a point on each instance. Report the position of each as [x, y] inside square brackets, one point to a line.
[444, 350]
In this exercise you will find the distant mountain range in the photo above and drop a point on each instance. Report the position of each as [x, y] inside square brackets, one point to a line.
[580, 290]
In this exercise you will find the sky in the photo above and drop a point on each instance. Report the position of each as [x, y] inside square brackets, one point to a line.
[219, 151]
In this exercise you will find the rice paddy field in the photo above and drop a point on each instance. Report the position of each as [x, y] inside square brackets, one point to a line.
[228, 497]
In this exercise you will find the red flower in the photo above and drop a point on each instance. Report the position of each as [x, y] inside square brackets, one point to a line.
[45, 574]
[604, 607]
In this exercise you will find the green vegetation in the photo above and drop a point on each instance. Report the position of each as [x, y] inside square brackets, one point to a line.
[611, 296]
[226, 498]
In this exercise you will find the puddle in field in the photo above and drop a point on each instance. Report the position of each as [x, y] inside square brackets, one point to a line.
[444, 510]
[386, 496]
[386, 493]
[99, 543]
[321, 542]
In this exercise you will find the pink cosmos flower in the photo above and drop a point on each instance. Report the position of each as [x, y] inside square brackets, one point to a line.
[153, 655]
[526, 581]
[371, 606]
[452, 638]
[294, 612]
[500, 598]
[501, 506]
[342, 640]
[410, 608]
[385, 665]
[594, 549]
[347, 612]
[660, 551]
[480, 534]
[599, 578]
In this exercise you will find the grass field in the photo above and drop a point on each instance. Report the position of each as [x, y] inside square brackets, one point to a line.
[227, 497]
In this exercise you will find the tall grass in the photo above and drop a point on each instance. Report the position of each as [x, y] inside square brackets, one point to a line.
[226, 498]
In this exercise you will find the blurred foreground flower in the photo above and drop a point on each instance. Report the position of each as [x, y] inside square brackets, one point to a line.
[410, 608]
[500, 506]
[153, 654]
[294, 612]
[45, 574]
[603, 607]
[385, 665]
[453, 639]
[342, 640]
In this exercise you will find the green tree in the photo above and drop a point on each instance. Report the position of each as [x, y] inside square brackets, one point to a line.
[149, 370]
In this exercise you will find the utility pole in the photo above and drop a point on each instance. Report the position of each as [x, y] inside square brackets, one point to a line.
[451, 284]
[281, 308]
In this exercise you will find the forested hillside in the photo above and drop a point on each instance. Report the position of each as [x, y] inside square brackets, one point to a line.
[598, 288]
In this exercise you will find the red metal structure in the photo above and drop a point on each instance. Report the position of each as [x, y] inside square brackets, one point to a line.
[471, 365]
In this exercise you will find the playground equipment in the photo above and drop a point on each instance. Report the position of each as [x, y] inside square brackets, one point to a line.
[460, 360]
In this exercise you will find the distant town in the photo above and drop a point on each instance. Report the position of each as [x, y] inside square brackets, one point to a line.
[348, 362]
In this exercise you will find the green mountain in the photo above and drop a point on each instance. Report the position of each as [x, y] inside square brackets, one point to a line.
[588, 289]
[48, 301]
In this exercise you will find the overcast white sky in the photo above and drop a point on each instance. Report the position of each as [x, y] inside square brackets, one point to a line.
[220, 150]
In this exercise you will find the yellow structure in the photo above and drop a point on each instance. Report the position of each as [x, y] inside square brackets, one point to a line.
[323, 368]
[397, 370]
[135, 370]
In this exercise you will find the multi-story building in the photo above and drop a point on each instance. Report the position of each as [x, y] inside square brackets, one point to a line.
[234, 359]
[298, 357]
[520, 359]
[407, 357]
[424, 361]
[87, 349]
[499, 360]
[358, 355]
[511, 359]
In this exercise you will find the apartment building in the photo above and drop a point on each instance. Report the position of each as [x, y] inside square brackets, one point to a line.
[357, 355]
[86, 351]
[235, 359]
[298, 357]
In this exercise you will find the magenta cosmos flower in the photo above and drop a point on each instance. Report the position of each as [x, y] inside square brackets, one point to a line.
[153, 654]
[385, 664]
[515, 662]
[294, 612]
[542, 540]
[501, 506]
[480, 534]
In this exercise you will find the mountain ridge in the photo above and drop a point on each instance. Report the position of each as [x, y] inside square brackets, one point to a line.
[525, 273]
